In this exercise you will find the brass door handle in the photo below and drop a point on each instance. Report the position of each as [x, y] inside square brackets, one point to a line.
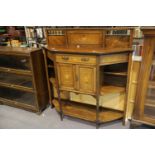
[65, 57]
[84, 59]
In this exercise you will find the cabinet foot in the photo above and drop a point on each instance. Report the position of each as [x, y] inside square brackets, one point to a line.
[97, 125]
[39, 112]
[61, 116]
[135, 125]
[52, 106]
[1, 103]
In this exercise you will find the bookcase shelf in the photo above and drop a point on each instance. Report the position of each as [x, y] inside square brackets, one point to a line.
[17, 96]
[22, 78]
[17, 71]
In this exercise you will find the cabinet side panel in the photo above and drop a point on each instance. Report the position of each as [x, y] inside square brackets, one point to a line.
[40, 79]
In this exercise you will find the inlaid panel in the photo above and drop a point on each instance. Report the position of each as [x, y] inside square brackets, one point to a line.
[87, 79]
[66, 76]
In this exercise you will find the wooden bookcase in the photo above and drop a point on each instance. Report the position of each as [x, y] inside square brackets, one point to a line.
[88, 70]
[23, 82]
[144, 110]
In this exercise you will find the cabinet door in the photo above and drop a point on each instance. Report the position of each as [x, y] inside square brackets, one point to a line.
[86, 79]
[66, 76]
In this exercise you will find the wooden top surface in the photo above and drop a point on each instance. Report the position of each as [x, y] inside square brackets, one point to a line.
[17, 50]
[148, 30]
[92, 51]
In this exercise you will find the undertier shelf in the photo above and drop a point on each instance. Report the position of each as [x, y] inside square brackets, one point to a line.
[87, 112]
[16, 71]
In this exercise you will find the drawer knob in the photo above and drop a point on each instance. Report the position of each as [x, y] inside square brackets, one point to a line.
[84, 59]
[65, 58]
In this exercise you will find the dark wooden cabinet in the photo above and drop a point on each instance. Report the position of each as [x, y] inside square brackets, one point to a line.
[23, 82]
[144, 110]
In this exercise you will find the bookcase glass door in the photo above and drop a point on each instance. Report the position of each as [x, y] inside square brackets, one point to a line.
[149, 109]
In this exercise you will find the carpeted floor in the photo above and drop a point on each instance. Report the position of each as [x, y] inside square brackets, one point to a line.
[13, 118]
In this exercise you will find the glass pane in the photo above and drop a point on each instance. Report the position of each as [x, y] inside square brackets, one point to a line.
[10, 78]
[149, 108]
[17, 96]
[16, 62]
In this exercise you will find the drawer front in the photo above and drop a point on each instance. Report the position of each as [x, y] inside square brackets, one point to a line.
[76, 59]
[114, 58]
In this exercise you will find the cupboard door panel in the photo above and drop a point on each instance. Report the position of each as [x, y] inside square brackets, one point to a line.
[87, 79]
[66, 76]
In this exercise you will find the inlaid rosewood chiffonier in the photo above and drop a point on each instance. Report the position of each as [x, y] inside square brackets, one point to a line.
[88, 72]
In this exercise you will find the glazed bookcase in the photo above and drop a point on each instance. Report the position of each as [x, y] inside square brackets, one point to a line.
[144, 110]
[23, 81]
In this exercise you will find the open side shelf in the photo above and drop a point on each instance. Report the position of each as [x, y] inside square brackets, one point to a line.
[87, 112]
[116, 73]
[111, 89]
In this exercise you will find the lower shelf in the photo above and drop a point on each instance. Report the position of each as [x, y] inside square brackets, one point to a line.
[87, 112]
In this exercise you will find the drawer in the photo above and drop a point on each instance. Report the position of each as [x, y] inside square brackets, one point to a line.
[114, 58]
[76, 59]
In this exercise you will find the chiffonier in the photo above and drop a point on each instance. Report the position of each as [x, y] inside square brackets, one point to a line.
[144, 110]
[88, 70]
[23, 81]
